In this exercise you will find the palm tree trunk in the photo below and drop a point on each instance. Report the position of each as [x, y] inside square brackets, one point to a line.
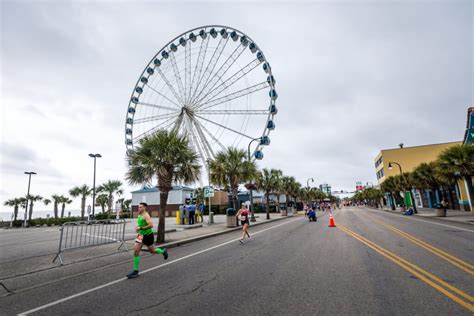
[62, 210]
[83, 207]
[15, 211]
[160, 234]
[235, 192]
[268, 205]
[55, 209]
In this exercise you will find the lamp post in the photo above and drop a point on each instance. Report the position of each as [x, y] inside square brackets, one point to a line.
[29, 173]
[95, 156]
[252, 215]
[307, 182]
[209, 177]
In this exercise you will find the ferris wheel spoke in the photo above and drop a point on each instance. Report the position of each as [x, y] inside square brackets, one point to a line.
[187, 74]
[210, 66]
[177, 77]
[159, 106]
[177, 124]
[170, 87]
[224, 127]
[192, 137]
[205, 144]
[203, 128]
[152, 130]
[154, 118]
[234, 112]
[232, 96]
[211, 83]
[198, 67]
[159, 93]
[229, 82]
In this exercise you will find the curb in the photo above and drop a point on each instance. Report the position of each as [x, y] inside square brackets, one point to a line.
[229, 230]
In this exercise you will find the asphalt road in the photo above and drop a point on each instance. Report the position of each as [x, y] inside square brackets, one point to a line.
[366, 265]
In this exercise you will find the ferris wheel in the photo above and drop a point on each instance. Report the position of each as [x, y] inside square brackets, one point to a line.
[211, 83]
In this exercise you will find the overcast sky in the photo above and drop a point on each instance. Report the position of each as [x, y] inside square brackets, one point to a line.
[353, 77]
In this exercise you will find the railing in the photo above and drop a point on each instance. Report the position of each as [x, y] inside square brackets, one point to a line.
[77, 235]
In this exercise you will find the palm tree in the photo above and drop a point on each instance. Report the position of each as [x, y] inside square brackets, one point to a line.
[32, 198]
[126, 205]
[458, 162]
[102, 200]
[388, 186]
[83, 191]
[230, 168]
[199, 193]
[15, 203]
[278, 178]
[288, 186]
[111, 187]
[63, 200]
[56, 201]
[425, 176]
[266, 182]
[167, 156]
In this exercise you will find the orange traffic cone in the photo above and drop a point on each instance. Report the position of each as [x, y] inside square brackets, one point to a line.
[331, 221]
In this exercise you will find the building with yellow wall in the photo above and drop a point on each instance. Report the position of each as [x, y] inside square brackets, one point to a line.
[407, 157]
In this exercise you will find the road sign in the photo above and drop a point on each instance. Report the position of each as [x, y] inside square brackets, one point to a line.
[208, 192]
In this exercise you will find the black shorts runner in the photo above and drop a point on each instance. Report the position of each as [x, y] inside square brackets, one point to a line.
[148, 240]
[245, 222]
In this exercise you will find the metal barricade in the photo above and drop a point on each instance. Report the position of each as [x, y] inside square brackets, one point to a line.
[76, 235]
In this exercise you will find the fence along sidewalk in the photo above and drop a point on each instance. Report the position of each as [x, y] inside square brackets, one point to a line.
[77, 235]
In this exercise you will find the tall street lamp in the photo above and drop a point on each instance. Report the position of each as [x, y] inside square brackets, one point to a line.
[307, 182]
[95, 156]
[29, 173]
[252, 215]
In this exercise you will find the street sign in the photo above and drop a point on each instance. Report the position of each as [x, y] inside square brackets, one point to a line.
[208, 192]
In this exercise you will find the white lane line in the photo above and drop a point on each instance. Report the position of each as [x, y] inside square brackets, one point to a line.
[145, 271]
[421, 220]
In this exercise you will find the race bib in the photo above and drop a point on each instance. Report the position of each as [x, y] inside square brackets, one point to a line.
[139, 239]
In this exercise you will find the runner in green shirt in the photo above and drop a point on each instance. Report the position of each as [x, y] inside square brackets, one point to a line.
[144, 237]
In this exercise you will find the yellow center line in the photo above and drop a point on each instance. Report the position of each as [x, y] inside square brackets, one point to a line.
[440, 253]
[416, 271]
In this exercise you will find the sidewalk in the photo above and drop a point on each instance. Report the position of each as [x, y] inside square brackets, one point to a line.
[451, 215]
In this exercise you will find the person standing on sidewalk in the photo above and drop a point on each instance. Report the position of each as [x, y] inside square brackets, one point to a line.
[145, 237]
[244, 219]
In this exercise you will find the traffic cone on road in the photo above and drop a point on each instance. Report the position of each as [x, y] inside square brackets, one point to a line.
[331, 221]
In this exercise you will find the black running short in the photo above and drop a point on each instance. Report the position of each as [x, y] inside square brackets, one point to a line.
[147, 240]
[245, 222]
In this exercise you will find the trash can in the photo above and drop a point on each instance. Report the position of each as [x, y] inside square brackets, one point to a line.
[230, 217]
[283, 211]
[211, 217]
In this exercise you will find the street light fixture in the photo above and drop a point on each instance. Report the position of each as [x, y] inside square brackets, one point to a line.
[93, 187]
[307, 181]
[252, 215]
[29, 173]
[390, 167]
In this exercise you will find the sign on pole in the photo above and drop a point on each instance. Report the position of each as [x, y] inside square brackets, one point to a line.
[208, 192]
